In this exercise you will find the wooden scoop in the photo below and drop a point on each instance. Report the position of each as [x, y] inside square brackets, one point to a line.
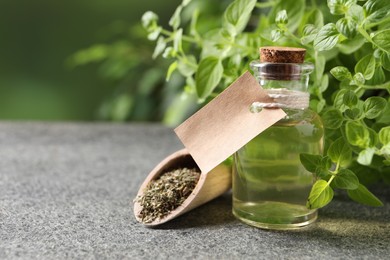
[210, 185]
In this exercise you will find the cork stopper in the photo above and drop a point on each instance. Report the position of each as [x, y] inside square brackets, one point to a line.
[283, 63]
[282, 55]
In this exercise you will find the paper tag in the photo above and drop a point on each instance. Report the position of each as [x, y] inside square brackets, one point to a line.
[226, 124]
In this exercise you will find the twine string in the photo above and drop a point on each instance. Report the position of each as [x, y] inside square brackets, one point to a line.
[283, 98]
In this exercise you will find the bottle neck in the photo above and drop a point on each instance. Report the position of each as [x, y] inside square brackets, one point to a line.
[286, 83]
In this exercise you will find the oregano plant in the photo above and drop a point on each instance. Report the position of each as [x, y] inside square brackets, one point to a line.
[349, 43]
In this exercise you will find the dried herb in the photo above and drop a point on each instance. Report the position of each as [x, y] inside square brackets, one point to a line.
[166, 193]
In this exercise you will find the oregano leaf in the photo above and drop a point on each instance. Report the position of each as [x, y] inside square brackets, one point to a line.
[339, 7]
[175, 19]
[295, 11]
[364, 196]
[341, 73]
[171, 69]
[357, 134]
[340, 152]
[384, 135]
[354, 113]
[275, 35]
[281, 18]
[160, 47]
[347, 27]
[149, 19]
[310, 161]
[355, 12]
[237, 15]
[332, 118]
[187, 66]
[208, 75]
[320, 195]
[365, 156]
[327, 37]
[350, 99]
[346, 179]
[366, 66]
[374, 106]
[382, 40]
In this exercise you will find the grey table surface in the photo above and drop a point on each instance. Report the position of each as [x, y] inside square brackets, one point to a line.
[66, 191]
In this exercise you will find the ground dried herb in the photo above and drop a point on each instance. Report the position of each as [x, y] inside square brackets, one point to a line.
[166, 193]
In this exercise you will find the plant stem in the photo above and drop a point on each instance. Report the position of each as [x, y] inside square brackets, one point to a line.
[385, 85]
[365, 35]
[184, 37]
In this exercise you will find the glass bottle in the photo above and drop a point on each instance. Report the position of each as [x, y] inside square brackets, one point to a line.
[270, 185]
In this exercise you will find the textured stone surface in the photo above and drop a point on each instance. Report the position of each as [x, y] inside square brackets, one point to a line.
[66, 192]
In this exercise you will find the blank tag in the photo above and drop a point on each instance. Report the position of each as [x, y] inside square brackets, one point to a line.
[226, 124]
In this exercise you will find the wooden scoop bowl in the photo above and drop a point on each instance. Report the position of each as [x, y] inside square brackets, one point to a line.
[210, 185]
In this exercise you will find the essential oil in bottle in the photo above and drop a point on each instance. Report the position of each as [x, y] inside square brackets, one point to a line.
[270, 185]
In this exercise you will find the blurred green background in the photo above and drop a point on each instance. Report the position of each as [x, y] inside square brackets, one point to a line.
[45, 76]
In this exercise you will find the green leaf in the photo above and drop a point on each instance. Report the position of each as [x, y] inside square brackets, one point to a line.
[374, 138]
[177, 36]
[340, 152]
[160, 47]
[187, 66]
[276, 34]
[357, 134]
[350, 46]
[364, 196]
[208, 75]
[374, 106]
[350, 99]
[382, 40]
[309, 34]
[310, 161]
[281, 18]
[295, 11]
[347, 27]
[378, 78]
[346, 179]
[322, 169]
[320, 195]
[169, 53]
[175, 19]
[384, 135]
[356, 13]
[354, 113]
[374, 5]
[339, 7]
[237, 15]
[327, 38]
[338, 101]
[149, 19]
[332, 118]
[358, 79]
[376, 10]
[366, 66]
[171, 69]
[341, 73]
[154, 33]
[377, 15]
[365, 156]
[385, 118]
[385, 59]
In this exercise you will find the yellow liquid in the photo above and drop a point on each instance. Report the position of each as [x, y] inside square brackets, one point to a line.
[270, 185]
